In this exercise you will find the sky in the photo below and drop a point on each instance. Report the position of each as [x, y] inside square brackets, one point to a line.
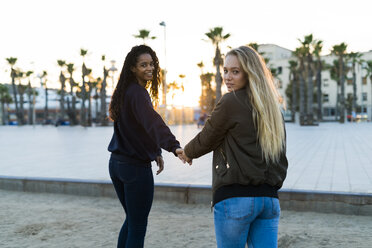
[39, 32]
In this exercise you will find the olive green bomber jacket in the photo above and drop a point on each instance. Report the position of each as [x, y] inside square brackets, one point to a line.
[237, 156]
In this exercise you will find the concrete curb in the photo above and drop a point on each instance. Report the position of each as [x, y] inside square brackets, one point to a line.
[317, 201]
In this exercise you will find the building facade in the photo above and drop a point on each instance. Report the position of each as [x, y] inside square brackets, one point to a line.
[279, 58]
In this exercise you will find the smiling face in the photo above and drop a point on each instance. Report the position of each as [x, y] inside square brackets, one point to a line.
[144, 69]
[233, 75]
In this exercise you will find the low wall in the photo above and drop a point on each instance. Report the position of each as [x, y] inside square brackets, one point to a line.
[317, 201]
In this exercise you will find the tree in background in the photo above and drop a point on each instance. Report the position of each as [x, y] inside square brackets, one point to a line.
[216, 36]
[369, 74]
[72, 110]
[144, 35]
[355, 59]
[30, 93]
[83, 93]
[62, 79]
[318, 46]
[340, 52]
[292, 88]
[13, 75]
[5, 99]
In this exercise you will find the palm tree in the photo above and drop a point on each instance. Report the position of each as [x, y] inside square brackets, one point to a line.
[369, 73]
[96, 97]
[144, 34]
[92, 81]
[335, 76]
[104, 119]
[72, 109]
[293, 78]
[21, 91]
[62, 79]
[173, 87]
[30, 102]
[13, 75]
[306, 43]
[44, 80]
[83, 114]
[216, 37]
[340, 52]
[207, 99]
[201, 66]
[318, 45]
[5, 98]
[355, 58]
[300, 53]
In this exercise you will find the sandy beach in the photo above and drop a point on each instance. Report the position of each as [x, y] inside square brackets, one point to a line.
[52, 220]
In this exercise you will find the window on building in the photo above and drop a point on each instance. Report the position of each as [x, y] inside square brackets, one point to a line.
[364, 80]
[349, 81]
[329, 111]
[325, 97]
[280, 69]
[364, 96]
[280, 84]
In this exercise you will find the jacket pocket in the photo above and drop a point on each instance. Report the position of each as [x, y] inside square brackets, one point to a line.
[221, 164]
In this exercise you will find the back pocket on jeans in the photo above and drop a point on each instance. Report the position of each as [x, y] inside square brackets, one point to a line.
[126, 173]
[239, 207]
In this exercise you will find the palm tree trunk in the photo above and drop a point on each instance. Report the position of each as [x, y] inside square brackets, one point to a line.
[73, 120]
[104, 120]
[310, 91]
[319, 90]
[354, 89]
[371, 96]
[30, 112]
[83, 97]
[294, 95]
[21, 109]
[342, 96]
[217, 62]
[338, 102]
[89, 105]
[3, 112]
[46, 114]
[13, 75]
[302, 94]
[62, 79]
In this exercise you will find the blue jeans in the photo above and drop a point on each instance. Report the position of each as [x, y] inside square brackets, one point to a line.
[247, 220]
[134, 186]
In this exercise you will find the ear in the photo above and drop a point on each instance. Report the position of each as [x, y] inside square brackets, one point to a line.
[133, 69]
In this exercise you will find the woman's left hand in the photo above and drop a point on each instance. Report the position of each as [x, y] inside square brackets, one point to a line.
[160, 163]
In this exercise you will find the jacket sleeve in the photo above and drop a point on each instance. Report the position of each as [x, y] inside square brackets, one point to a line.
[214, 131]
[152, 122]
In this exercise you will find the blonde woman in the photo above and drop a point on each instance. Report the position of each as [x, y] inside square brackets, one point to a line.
[247, 136]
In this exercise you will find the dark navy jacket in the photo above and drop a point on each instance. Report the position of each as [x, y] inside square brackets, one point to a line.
[140, 133]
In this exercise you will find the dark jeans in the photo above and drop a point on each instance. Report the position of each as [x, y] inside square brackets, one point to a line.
[134, 185]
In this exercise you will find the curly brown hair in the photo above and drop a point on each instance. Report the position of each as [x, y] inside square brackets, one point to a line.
[127, 77]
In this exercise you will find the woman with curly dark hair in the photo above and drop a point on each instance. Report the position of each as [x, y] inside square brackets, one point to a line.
[139, 135]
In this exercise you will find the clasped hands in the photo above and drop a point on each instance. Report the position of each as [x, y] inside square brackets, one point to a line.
[182, 156]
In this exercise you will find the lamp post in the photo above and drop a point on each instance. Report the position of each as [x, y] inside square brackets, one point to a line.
[164, 100]
[113, 69]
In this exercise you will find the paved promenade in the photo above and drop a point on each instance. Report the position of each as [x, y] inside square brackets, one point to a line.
[329, 157]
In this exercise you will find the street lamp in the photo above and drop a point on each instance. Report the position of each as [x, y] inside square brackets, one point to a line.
[113, 69]
[165, 73]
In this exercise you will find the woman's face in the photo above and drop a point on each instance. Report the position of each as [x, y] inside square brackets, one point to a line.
[144, 68]
[233, 74]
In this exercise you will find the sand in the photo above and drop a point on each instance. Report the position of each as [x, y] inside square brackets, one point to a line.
[54, 220]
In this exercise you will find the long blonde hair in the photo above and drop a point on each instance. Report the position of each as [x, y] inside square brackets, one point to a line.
[264, 99]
